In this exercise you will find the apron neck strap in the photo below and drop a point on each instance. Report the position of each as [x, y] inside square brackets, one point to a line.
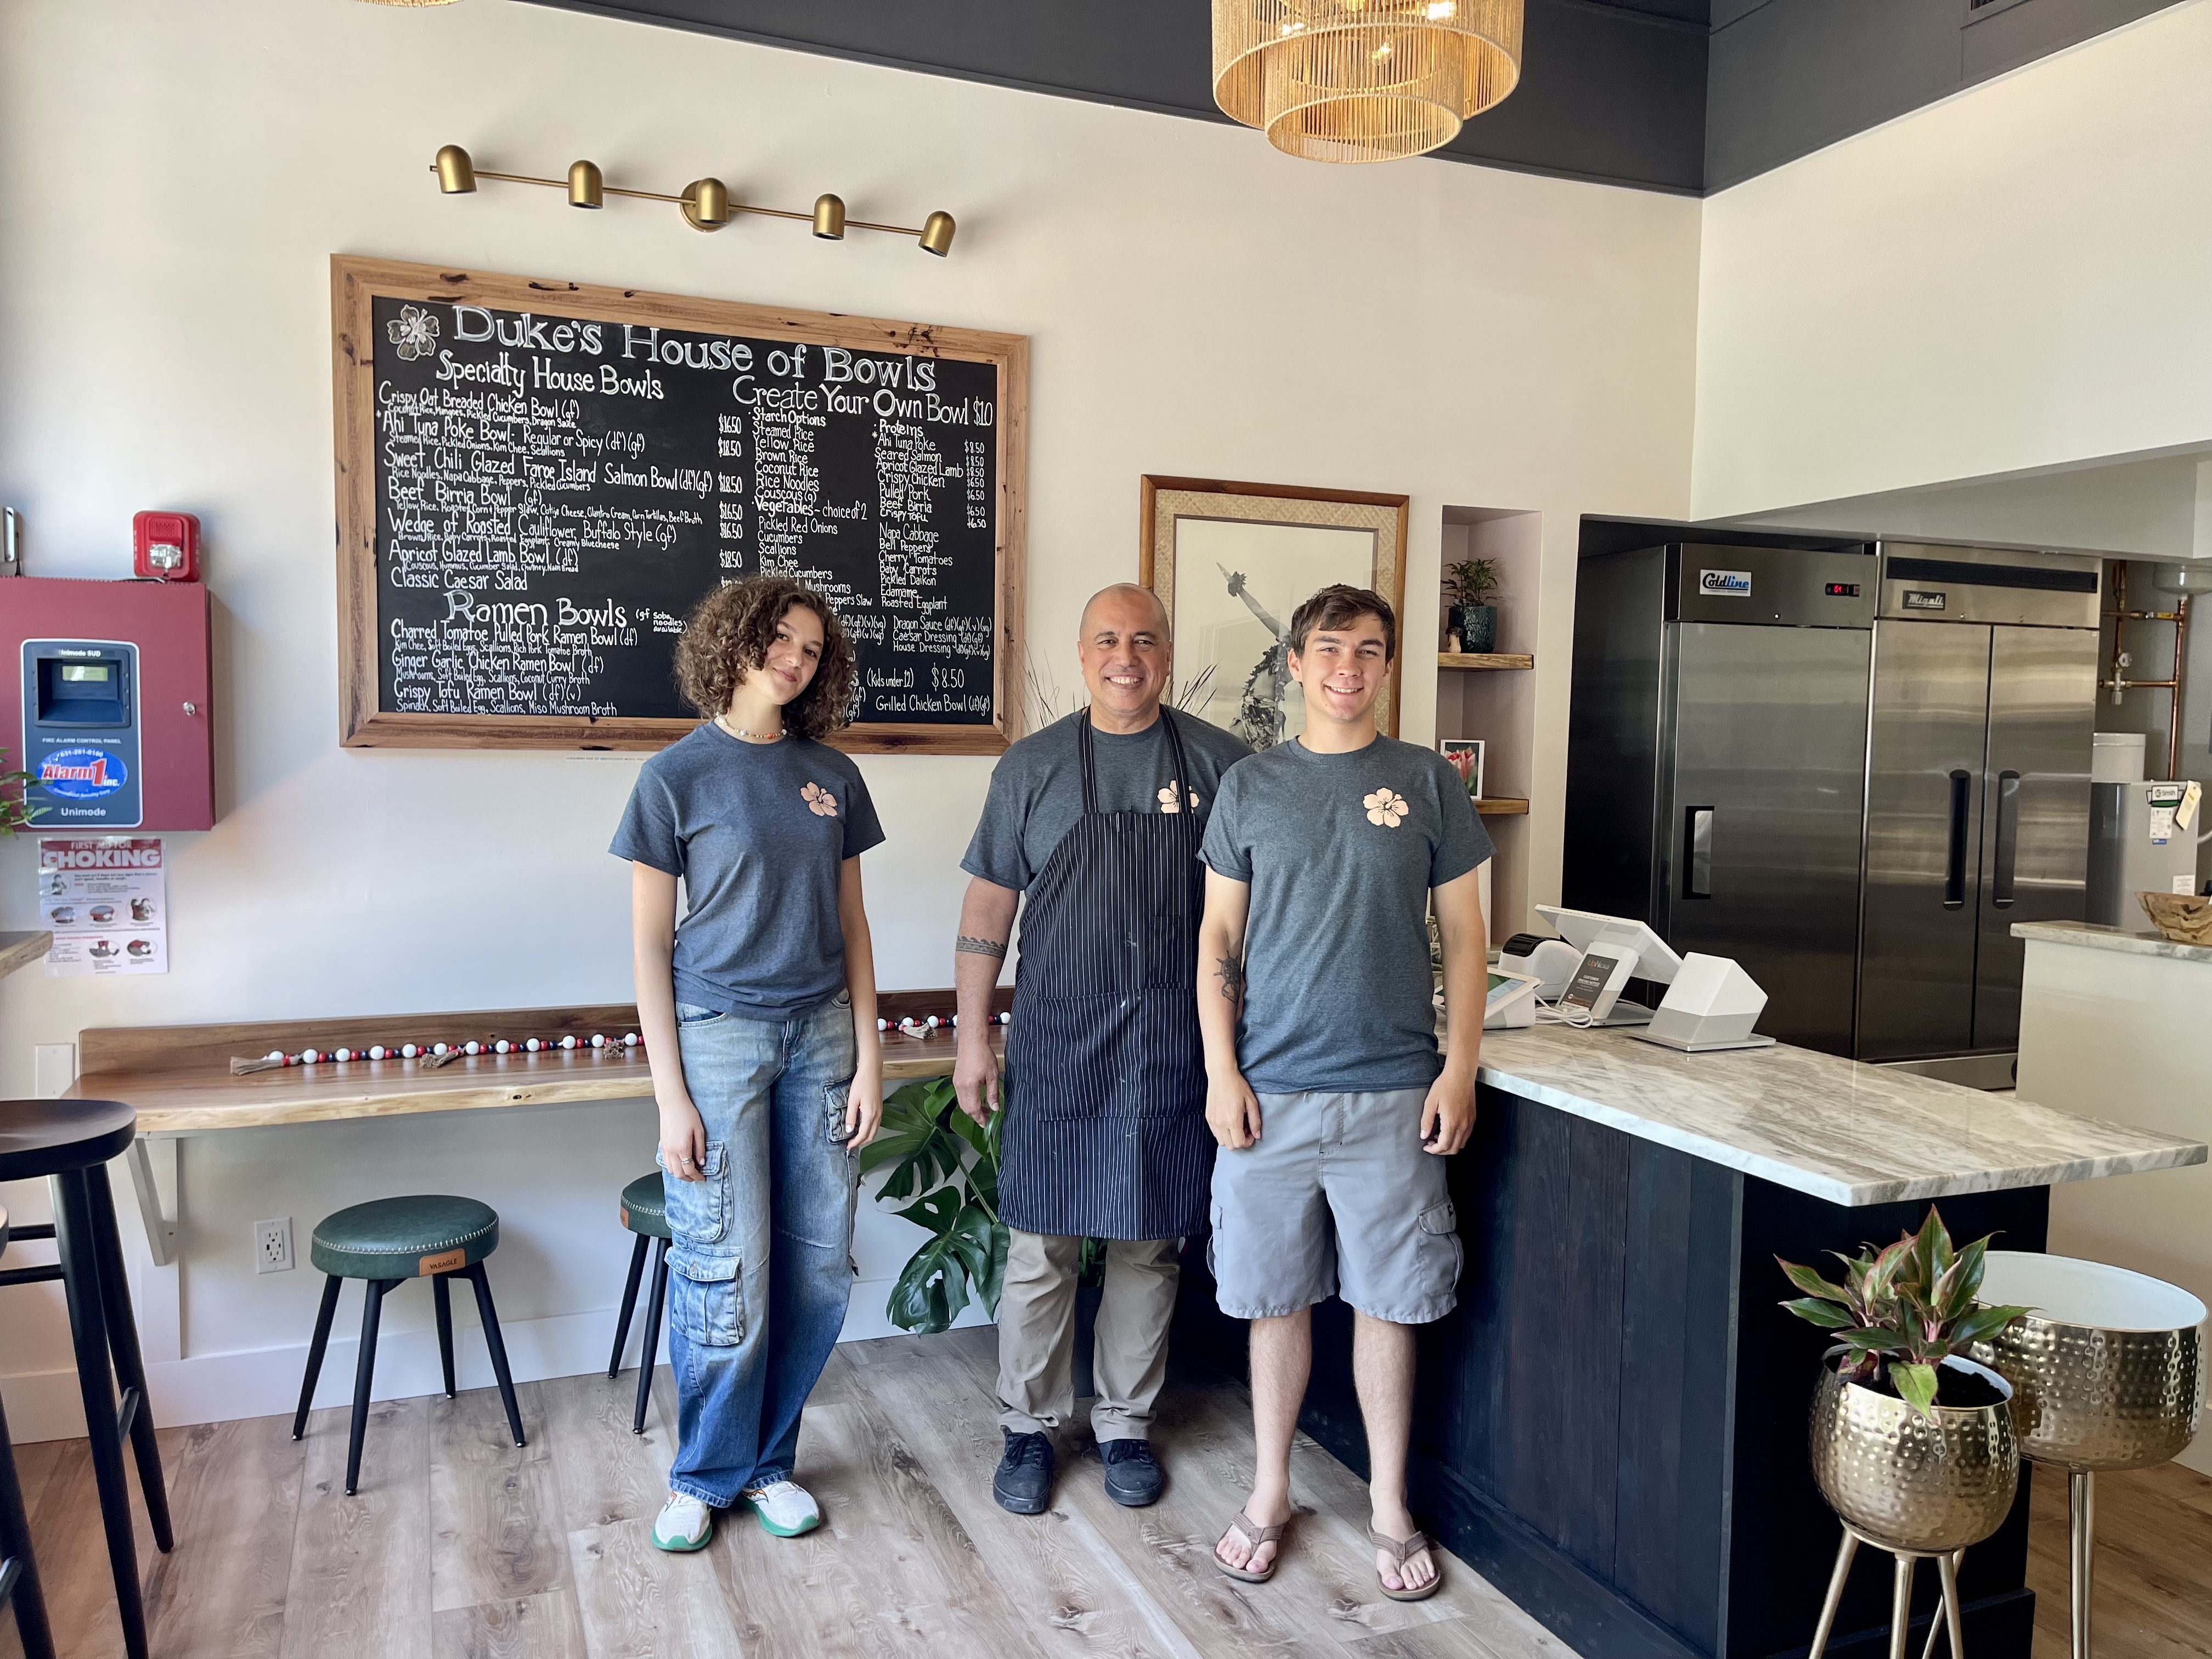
[1181, 779]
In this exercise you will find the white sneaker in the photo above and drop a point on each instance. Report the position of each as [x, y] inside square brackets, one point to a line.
[684, 1523]
[785, 1507]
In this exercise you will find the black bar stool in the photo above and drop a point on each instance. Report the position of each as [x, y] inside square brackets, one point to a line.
[644, 1212]
[70, 1142]
[384, 1243]
[19, 1573]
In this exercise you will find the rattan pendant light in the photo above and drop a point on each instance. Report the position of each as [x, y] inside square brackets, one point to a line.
[1363, 79]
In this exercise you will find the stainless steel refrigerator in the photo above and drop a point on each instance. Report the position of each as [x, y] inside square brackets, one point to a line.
[1978, 793]
[1851, 771]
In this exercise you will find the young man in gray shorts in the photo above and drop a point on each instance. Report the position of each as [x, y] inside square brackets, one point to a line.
[1324, 1084]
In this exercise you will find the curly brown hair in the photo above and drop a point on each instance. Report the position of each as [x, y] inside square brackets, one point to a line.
[728, 634]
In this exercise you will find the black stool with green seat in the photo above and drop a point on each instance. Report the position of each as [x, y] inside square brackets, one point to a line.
[19, 1574]
[71, 1142]
[644, 1212]
[384, 1243]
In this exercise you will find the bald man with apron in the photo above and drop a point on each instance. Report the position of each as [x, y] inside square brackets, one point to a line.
[1097, 820]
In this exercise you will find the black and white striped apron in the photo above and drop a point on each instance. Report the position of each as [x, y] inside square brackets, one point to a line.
[1105, 1133]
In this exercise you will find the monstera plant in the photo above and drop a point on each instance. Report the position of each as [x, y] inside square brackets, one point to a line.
[1902, 1311]
[945, 1169]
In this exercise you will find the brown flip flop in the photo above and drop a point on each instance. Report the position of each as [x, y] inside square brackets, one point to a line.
[1398, 1549]
[1256, 1534]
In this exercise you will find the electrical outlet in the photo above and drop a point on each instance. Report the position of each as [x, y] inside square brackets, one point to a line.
[272, 1246]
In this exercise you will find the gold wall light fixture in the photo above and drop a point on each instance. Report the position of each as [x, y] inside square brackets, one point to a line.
[1363, 79]
[705, 203]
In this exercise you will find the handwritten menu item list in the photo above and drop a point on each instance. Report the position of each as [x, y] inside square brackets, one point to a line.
[554, 494]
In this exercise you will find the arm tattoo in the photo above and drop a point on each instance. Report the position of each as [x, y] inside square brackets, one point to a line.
[981, 947]
[1231, 973]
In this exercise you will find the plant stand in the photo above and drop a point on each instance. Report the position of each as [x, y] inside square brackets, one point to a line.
[1900, 1601]
[2106, 1373]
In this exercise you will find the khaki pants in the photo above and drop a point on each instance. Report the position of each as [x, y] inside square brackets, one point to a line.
[1036, 1334]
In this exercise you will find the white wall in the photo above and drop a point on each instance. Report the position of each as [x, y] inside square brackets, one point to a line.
[2018, 277]
[172, 179]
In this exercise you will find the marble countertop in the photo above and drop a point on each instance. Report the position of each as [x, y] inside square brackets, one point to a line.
[2098, 937]
[1851, 1134]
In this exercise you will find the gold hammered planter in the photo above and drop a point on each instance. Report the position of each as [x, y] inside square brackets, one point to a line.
[2106, 1369]
[1906, 1483]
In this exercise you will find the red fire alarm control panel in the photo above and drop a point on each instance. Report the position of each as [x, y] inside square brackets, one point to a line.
[104, 701]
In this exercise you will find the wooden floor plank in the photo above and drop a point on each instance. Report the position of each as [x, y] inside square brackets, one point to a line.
[604, 1474]
[70, 1546]
[497, 1533]
[638, 1603]
[1056, 1568]
[546, 1626]
[234, 1496]
[890, 1571]
[361, 1565]
[460, 1546]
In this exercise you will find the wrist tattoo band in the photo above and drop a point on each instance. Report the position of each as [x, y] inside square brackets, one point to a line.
[980, 947]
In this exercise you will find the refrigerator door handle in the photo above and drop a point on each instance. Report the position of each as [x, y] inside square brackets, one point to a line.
[1698, 844]
[2001, 880]
[1955, 868]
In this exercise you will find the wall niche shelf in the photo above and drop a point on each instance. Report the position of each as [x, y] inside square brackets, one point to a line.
[1484, 659]
[1491, 694]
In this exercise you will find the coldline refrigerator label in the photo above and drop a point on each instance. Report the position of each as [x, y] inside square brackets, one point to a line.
[106, 900]
[1725, 584]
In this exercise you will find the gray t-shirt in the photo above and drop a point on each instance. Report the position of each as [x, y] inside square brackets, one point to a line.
[1036, 788]
[1340, 852]
[759, 833]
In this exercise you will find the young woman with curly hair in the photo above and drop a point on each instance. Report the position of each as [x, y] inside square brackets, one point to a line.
[759, 1018]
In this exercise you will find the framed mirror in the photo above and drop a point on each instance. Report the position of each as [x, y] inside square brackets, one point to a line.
[1231, 562]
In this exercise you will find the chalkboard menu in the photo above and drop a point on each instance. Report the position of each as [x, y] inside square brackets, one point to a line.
[538, 480]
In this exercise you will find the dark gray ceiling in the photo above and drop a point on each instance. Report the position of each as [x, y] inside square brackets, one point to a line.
[1681, 96]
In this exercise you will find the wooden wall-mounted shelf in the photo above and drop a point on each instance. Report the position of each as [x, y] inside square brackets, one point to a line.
[1484, 659]
[1502, 808]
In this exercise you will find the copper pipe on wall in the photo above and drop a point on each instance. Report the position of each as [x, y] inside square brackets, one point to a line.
[2117, 684]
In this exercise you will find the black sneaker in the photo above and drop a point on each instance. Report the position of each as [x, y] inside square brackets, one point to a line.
[1023, 1482]
[1131, 1476]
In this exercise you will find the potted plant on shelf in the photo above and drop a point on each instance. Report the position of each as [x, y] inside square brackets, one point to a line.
[1912, 1441]
[1472, 618]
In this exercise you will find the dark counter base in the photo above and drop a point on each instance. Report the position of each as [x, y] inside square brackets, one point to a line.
[1611, 1425]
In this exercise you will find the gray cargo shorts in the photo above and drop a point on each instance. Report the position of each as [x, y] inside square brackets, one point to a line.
[1336, 1198]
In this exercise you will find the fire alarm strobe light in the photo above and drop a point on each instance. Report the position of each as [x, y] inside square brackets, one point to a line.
[166, 546]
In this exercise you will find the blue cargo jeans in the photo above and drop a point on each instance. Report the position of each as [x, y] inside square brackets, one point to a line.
[760, 1253]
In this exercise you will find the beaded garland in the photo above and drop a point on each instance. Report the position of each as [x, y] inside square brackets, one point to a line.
[443, 1054]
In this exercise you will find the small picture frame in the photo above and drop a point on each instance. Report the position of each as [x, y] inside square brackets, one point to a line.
[1466, 756]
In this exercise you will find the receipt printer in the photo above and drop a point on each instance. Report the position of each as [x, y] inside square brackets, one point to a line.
[110, 689]
[1551, 962]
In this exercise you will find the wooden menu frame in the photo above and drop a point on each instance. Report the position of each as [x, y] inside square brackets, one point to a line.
[355, 283]
[1162, 500]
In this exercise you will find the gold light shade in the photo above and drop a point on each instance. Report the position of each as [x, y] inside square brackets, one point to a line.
[830, 218]
[586, 189]
[706, 204]
[937, 233]
[1363, 79]
[457, 174]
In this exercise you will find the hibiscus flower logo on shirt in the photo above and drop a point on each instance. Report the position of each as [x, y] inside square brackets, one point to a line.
[1170, 803]
[1386, 808]
[415, 331]
[819, 801]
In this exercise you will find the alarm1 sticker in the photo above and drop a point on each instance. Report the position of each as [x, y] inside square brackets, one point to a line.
[82, 774]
